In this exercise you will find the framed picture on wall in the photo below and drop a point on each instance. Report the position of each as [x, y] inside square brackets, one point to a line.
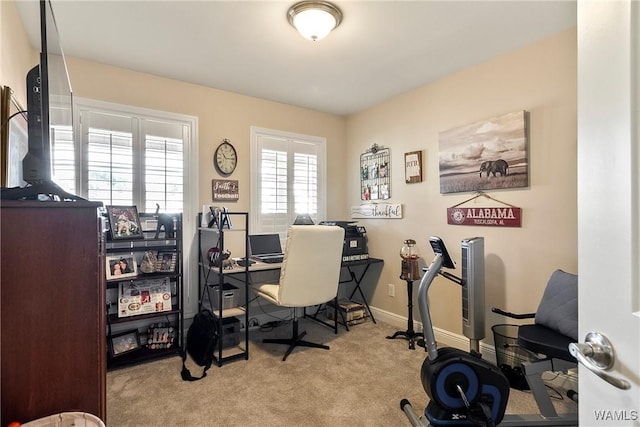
[485, 155]
[413, 167]
[375, 174]
[13, 139]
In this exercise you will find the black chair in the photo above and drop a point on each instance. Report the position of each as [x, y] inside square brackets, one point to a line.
[547, 339]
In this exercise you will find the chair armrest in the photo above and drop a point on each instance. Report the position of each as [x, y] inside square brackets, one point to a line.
[513, 315]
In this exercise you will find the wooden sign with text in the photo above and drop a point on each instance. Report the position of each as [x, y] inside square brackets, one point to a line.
[492, 217]
[377, 210]
[413, 167]
[225, 190]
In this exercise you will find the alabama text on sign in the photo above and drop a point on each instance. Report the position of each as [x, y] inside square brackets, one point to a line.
[494, 217]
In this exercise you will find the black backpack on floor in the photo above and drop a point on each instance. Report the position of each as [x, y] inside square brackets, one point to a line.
[202, 338]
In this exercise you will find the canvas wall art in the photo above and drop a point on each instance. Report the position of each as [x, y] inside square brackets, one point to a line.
[486, 155]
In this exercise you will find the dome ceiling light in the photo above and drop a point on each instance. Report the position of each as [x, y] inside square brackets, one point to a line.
[314, 19]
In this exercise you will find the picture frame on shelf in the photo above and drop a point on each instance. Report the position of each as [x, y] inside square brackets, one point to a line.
[166, 262]
[124, 342]
[120, 266]
[124, 223]
[160, 335]
[219, 217]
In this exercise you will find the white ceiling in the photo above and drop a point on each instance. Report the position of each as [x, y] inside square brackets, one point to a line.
[381, 49]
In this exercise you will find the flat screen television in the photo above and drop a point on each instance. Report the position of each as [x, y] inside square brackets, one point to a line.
[49, 107]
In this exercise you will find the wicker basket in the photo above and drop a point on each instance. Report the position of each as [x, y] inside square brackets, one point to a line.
[510, 356]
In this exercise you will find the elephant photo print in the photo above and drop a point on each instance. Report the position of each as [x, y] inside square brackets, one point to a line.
[486, 155]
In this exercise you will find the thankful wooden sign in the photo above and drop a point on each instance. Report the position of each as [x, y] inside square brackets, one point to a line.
[377, 210]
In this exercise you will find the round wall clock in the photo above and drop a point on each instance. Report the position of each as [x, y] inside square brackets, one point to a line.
[225, 158]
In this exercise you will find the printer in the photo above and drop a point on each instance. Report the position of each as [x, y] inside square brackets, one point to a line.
[354, 247]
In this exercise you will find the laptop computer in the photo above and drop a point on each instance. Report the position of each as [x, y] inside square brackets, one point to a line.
[266, 248]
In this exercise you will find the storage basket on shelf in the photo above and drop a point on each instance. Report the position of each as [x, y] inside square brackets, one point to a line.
[510, 356]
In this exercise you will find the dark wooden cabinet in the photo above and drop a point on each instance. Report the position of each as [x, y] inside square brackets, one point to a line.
[52, 319]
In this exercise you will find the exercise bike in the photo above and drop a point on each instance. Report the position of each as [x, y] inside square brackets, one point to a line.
[464, 389]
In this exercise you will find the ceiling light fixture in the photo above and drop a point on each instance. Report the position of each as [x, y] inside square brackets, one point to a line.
[314, 19]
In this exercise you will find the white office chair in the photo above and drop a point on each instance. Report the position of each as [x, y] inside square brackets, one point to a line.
[309, 275]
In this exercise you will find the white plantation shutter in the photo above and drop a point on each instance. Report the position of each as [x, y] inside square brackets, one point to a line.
[163, 173]
[63, 158]
[110, 166]
[288, 177]
[110, 157]
[124, 158]
[273, 183]
[163, 165]
[305, 184]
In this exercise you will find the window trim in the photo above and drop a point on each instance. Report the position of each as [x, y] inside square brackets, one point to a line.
[190, 181]
[255, 132]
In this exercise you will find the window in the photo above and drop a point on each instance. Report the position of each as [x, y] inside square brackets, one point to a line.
[288, 179]
[126, 156]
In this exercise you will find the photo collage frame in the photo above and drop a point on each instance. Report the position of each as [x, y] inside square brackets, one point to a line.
[375, 175]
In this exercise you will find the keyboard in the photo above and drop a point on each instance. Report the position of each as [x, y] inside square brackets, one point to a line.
[243, 262]
[270, 260]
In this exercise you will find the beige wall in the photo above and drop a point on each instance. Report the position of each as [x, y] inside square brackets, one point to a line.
[16, 54]
[221, 115]
[541, 79]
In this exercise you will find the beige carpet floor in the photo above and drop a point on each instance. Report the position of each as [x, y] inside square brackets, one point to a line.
[359, 382]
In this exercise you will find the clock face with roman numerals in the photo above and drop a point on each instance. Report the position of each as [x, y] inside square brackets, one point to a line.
[225, 158]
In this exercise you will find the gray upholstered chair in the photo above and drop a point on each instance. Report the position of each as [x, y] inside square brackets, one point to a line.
[555, 327]
[309, 275]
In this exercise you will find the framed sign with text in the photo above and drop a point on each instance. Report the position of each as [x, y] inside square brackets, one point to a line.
[413, 167]
[225, 190]
[377, 211]
[492, 216]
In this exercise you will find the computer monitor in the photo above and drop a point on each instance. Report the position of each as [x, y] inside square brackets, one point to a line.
[264, 244]
[49, 105]
[303, 219]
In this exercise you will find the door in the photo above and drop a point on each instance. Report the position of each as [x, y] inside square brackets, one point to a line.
[609, 204]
